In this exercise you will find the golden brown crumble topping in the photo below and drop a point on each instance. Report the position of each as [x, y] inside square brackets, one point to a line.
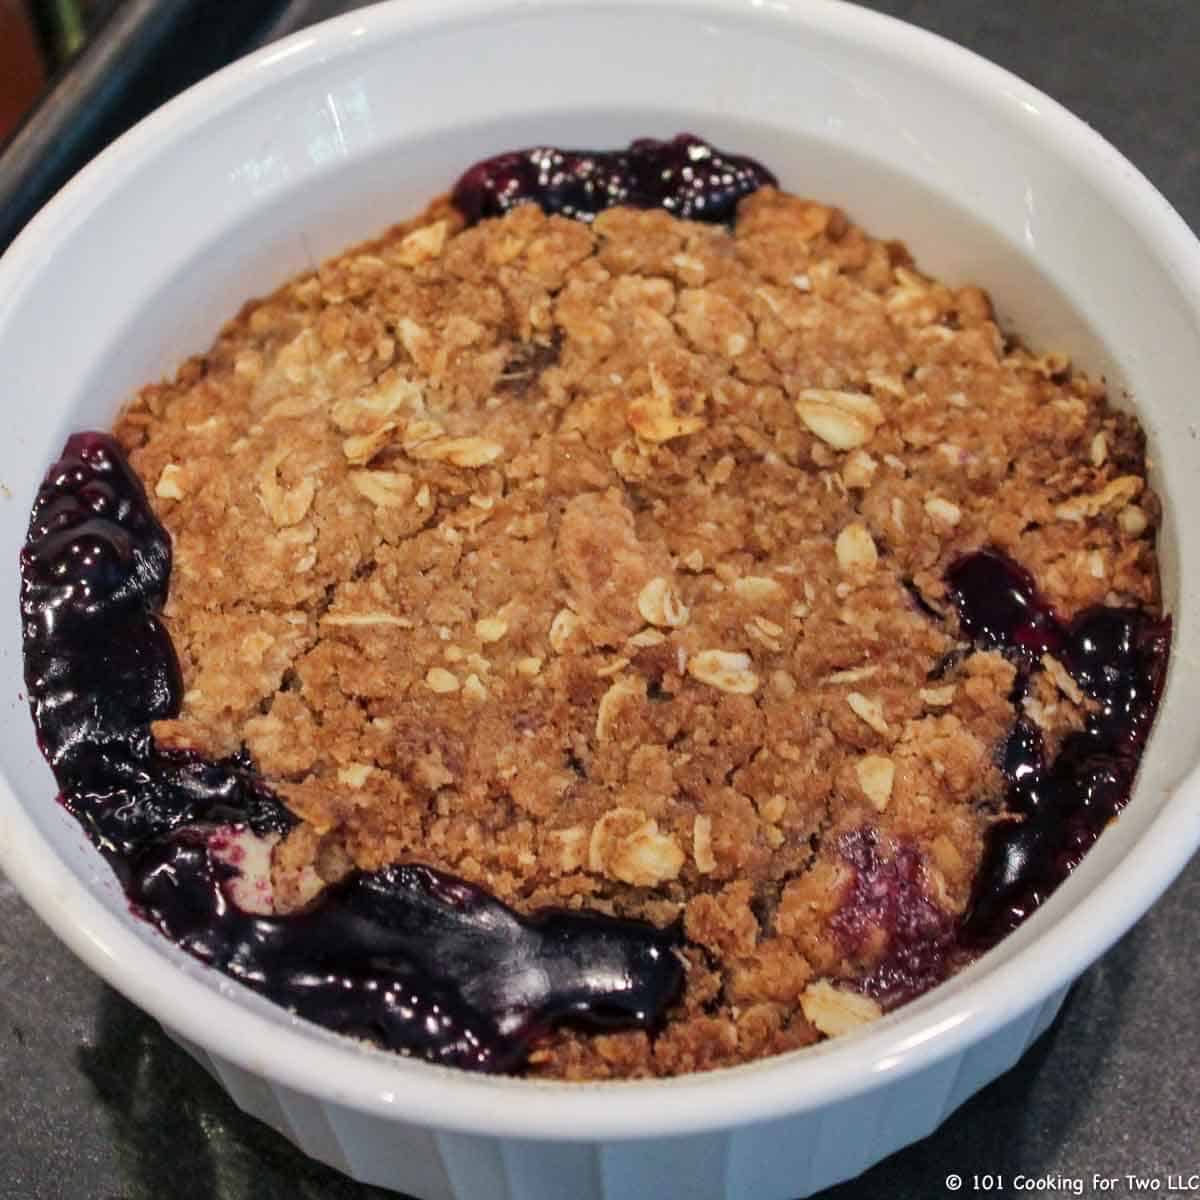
[596, 564]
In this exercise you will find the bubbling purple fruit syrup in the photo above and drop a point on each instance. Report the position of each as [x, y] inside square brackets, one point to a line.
[685, 176]
[408, 957]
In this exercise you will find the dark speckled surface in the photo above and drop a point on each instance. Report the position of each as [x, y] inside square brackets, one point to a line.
[96, 1104]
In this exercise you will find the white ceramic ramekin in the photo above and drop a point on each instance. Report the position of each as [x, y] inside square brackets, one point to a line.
[336, 132]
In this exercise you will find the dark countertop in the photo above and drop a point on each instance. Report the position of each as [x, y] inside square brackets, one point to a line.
[97, 1103]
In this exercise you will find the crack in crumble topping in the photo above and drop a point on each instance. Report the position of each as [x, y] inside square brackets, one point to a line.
[603, 566]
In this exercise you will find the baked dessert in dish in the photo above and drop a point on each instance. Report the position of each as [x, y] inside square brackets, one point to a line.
[626, 621]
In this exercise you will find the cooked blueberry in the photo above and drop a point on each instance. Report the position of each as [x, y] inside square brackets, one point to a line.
[94, 545]
[685, 176]
[1024, 755]
[82, 702]
[1118, 658]
[998, 605]
[1006, 884]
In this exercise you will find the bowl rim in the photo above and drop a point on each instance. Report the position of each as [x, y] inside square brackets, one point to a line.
[312, 1061]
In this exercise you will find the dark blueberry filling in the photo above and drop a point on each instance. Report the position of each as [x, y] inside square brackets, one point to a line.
[1053, 811]
[408, 957]
[412, 958]
[1118, 657]
[889, 894]
[100, 667]
[686, 176]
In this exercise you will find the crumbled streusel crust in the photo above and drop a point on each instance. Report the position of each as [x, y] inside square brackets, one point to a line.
[603, 566]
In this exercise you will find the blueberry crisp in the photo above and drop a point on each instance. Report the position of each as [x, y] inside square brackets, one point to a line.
[625, 621]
